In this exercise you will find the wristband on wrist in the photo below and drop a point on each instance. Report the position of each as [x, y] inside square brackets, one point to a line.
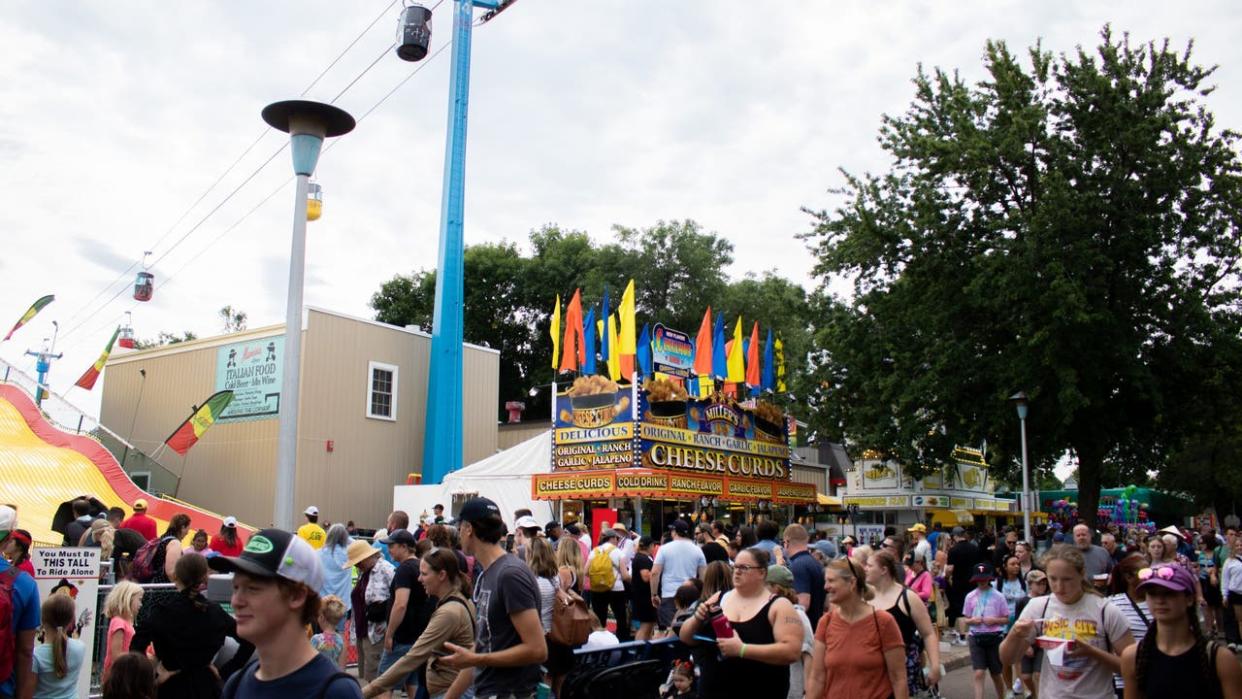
[742, 653]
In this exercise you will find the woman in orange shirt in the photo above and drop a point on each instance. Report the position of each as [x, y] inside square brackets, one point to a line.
[858, 649]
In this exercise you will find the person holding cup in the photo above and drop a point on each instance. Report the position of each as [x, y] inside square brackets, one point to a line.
[1081, 633]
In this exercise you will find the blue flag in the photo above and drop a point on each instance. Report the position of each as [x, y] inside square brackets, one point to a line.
[769, 365]
[606, 350]
[644, 352]
[720, 364]
[588, 343]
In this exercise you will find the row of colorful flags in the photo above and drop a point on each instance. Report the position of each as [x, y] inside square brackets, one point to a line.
[740, 361]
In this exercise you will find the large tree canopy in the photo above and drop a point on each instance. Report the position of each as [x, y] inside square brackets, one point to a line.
[1068, 226]
[678, 271]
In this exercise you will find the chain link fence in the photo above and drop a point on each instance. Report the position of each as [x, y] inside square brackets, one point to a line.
[153, 595]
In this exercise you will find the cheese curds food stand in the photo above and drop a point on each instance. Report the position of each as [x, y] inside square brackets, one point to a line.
[653, 447]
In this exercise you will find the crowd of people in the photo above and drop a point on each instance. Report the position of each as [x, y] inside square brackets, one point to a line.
[467, 608]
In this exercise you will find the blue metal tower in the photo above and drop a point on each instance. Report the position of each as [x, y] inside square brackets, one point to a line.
[442, 452]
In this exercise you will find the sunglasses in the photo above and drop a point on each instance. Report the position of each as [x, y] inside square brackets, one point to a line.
[1163, 572]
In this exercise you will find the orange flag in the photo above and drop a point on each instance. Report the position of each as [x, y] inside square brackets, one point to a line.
[753, 375]
[572, 345]
[703, 346]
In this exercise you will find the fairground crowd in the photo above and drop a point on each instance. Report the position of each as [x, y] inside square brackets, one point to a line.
[465, 607]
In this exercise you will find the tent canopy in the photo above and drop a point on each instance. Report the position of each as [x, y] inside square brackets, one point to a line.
[503, 477]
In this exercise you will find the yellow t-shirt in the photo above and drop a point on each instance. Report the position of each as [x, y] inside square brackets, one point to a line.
[314, 534]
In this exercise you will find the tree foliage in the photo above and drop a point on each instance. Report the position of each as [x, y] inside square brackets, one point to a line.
[678, 271]
[1067, 226]
[165, 338]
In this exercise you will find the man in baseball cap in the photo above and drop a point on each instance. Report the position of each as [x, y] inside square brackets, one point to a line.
[510, 645]
[141, 522]
[276, 579]
[311, 531]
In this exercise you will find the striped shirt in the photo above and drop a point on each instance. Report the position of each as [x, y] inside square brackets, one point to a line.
[1135, 620]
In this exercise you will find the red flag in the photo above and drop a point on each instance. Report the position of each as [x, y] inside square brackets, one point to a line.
[572, 350]
[703, 346]
[753, 376]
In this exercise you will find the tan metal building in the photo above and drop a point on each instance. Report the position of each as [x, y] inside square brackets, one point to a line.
[360, 422]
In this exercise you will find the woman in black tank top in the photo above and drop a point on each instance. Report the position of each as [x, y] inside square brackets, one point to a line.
[754, 661]
[908, 610]
[1175, 659]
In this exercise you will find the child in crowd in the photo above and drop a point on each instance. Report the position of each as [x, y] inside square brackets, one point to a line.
[680, 681]
[330, 643]
[132, 677]
[58, 660]
[987, 615]
[121, 608]
[1036, 586]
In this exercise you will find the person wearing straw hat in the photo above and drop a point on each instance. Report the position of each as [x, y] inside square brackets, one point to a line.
[369, 602]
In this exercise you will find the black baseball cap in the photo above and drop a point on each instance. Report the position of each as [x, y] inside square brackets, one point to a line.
[680, 526]
[400, 536]
[476, 509]
[983, 572]
[275, 553]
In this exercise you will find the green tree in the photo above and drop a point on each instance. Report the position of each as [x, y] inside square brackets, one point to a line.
[165, 338]
[678, 270]
[234, 319]
[1067, 226]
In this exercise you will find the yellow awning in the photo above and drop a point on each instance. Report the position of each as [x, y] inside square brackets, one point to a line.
[828, 500]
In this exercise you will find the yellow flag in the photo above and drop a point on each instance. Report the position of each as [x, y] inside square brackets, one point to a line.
[614, 357]
[625, 313]
[736, 364]
[779, 351]
[556, 333]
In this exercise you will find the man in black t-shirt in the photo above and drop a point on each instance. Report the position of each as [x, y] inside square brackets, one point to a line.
[509, 641]
[274, 599]
[961, 561]
[407, 619]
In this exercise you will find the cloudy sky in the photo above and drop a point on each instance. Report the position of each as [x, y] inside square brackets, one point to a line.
[116, 118]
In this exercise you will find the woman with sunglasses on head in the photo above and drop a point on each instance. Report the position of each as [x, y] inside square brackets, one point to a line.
[859, 652]
[1085, 632]
[757, 632]
[1175, 659]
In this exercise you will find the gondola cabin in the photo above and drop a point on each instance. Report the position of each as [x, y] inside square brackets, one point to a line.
[144, 286]
[314, 202]
[125, 339]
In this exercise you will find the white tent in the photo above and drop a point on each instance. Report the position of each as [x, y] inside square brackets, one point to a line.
[503, 477]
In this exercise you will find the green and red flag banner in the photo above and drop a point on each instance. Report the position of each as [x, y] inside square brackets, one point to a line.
[92, 374]
[188, 434]
[28, 315]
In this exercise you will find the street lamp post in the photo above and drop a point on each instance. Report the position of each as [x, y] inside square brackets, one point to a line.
[1019, 400]
[307, 124]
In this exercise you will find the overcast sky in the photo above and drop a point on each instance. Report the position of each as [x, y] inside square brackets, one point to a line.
[116, 117]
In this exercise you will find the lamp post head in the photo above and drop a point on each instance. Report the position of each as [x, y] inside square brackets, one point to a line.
[1020, 402]
[308, 123]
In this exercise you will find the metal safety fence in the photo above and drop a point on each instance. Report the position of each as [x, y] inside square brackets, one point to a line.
[152, 596]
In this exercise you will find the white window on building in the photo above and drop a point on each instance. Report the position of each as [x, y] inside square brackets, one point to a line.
[381, 391]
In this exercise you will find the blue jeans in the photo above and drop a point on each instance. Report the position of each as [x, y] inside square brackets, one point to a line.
[391, 656]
